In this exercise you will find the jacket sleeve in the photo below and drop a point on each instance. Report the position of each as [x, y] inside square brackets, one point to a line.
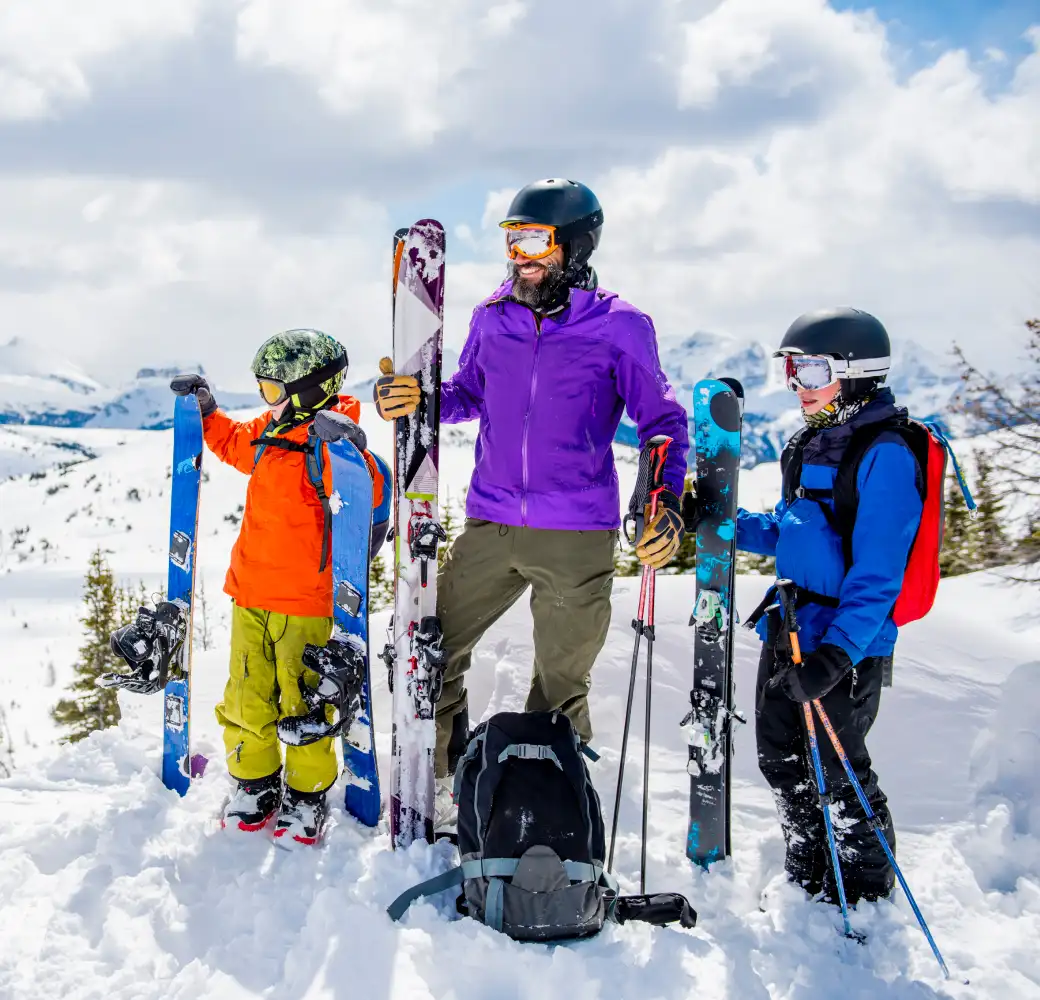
[462, 396]
[650, 400]
[759, 533]
[887, 519]
[229, 439]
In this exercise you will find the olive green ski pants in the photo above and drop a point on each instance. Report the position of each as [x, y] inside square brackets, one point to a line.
[488, 567]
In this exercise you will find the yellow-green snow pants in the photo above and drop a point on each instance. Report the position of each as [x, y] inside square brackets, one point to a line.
[266, 663]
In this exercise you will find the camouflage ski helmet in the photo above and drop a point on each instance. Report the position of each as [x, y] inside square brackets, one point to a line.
[302, 359]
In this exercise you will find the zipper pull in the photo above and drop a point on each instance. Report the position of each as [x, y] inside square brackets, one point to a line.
[855, 681]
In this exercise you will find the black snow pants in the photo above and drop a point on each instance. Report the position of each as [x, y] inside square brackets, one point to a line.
[784, 760]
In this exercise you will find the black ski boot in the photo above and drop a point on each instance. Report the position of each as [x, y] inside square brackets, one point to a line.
[148, 644]
[301, 818]
[253, 803]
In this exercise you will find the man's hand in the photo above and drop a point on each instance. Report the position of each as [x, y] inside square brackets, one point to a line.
[395, 395]
[818, 674]
[331, 425]
[185, 385]
[663, 535]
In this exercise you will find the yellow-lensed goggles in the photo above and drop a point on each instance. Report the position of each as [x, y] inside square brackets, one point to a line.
[529, 239]
[273, 391]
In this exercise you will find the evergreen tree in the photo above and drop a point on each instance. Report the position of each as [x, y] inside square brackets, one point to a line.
[960, 542]
[994, 549]
[380, 584]
[90, 707]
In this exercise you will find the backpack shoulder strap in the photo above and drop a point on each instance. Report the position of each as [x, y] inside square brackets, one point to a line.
[314, 458]
[846, 479]
[791, 463]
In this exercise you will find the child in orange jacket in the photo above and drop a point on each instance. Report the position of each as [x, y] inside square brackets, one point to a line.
[280, 576]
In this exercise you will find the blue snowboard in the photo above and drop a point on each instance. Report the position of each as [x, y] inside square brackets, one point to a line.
[352, 518]
[178, 767]
[717, 416]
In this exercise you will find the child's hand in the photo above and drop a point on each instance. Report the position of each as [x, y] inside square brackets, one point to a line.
[184, 385]
[331, 425]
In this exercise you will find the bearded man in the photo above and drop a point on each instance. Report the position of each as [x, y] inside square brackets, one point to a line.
[550, 364]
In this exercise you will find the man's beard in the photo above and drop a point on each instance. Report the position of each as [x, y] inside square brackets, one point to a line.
[543, 295]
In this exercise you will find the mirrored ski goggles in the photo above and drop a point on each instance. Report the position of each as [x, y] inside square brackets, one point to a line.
[529, 239]
[273, 391]
[811, 371]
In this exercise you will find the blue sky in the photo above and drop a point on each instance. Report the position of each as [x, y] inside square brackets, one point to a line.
[928, 25]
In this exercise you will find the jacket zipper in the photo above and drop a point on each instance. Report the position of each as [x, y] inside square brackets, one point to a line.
[527, 415]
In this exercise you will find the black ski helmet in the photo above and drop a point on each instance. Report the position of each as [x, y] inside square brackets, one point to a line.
[569, 206]
[852, 335]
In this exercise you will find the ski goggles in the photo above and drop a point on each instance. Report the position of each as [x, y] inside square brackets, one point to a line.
[817, 371]
[531, 240]
[810, 371]
[272, 391]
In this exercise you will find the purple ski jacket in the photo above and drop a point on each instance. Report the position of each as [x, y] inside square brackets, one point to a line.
[549, 393]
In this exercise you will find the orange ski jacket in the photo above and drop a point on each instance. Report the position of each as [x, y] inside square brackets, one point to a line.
[275, 561]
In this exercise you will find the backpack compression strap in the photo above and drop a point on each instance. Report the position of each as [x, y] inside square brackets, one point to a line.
[494, 869]
[312, 452]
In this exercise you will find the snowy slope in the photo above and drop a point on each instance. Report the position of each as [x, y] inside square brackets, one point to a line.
[112, 887]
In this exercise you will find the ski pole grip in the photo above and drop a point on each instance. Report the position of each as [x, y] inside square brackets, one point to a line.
[649, 481]
[386, 366]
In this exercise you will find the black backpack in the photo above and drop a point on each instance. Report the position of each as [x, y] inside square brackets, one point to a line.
[531, 838]
[530, 832]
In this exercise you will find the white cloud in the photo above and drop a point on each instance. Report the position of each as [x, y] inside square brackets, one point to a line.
[754, 158]
[49, 48]
[394, 55]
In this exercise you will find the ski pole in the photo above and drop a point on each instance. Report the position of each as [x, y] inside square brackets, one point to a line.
[649, 484]
[875, 825]
[649, 630]
[787, 606]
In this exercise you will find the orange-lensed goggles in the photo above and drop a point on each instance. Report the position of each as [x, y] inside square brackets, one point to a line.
[529, 239]
[273, 391]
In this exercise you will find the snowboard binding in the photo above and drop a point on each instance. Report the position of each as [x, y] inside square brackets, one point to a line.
[147, 645]
[340, 666]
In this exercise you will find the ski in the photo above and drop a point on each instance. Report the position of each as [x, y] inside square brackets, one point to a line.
[717, 418]
[413, 655]
[178, 766]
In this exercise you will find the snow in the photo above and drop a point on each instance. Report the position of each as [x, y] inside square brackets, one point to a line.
[110, 886]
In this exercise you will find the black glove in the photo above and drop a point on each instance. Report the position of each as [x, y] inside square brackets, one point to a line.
[184, 385]
[816, 675]
[692, 511]
[330, 425]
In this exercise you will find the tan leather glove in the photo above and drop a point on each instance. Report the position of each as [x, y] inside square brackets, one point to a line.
[663, 535]
[395, 395]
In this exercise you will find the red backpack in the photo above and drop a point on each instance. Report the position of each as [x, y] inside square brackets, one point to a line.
[930, 449]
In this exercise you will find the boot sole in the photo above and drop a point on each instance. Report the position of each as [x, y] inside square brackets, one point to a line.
[249, 827]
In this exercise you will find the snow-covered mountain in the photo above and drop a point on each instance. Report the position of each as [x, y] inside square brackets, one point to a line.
[34, 391]
[111, 886]
[922, 381]
[36, 388]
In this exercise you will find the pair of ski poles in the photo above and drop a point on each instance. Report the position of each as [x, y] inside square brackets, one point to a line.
[649, 485]
[787, 602]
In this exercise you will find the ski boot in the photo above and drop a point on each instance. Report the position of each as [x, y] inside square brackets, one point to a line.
[148, 644]
[301, 818]
[253, 803]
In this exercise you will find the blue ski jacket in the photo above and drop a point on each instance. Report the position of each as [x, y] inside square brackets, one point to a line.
[809, 551]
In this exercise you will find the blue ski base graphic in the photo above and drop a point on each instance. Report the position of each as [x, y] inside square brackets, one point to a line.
[177, 766]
